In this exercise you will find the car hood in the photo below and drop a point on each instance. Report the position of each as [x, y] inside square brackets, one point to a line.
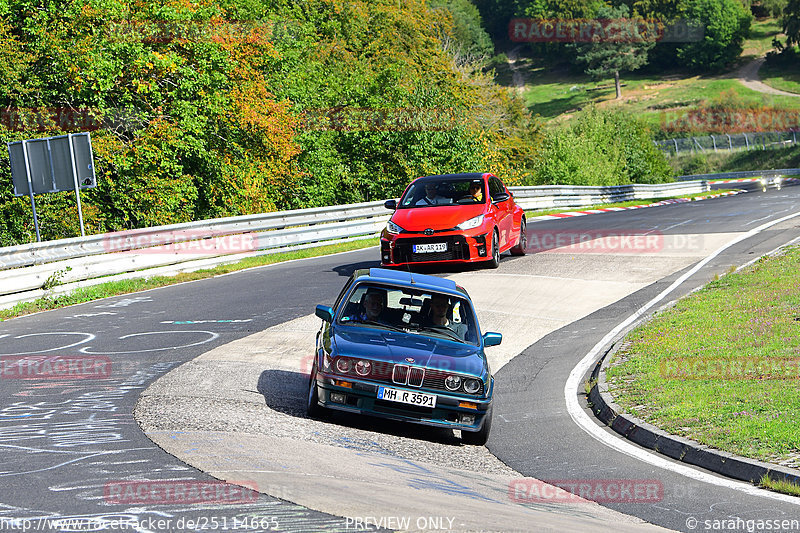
[438, 218]
[395, 347]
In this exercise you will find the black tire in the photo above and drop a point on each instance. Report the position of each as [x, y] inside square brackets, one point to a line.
[522, 242]
[479, 438]
[313, 409]
[494, 262]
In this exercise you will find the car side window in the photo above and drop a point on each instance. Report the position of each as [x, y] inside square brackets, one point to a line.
[496, 189]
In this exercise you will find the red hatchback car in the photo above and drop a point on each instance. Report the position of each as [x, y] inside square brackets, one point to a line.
[451, 218]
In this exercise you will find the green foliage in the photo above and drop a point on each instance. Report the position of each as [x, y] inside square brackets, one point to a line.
[605, 58]
[726, 24]
[470, 39]
[769, 8]
[601, 148]
[290, 105]
[791, 22]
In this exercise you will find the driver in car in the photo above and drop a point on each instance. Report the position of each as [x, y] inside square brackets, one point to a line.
[373, 307]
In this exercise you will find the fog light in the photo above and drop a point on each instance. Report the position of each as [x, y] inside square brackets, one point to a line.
[338, 397]
[467, 420]
[482, 250]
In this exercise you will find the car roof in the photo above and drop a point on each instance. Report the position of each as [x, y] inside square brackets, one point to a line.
[402, 277]
[462, 175]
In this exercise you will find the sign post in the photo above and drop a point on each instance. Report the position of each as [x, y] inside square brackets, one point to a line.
[52, 164]
[30, 190]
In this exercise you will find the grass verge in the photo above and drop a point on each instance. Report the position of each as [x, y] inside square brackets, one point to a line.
[780, 486]
[114, 288]
[722, 367]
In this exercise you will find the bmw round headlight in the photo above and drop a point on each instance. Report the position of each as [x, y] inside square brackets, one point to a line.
[343, 365]
[452, 382]
[472, 386]
[363, 368]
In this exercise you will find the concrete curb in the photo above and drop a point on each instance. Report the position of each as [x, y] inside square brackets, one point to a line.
[678, 448]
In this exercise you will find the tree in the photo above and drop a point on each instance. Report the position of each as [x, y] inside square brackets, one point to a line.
[616, 49]
[791, 22]
[726, 24]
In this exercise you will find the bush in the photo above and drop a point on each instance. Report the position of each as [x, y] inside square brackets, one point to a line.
[601, 148]
[726, 24]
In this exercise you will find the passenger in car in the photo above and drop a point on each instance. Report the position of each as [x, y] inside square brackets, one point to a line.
[432, 196]
[440, 309]
[476, 191]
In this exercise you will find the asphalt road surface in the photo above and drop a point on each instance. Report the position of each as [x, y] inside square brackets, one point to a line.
[71, 448]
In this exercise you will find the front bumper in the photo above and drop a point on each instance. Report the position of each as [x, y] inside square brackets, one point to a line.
[361, 398]
[464, 247]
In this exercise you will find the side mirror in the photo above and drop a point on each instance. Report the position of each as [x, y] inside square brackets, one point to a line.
[492, 339]
[500, 198]
[324, 312]
[390, 204]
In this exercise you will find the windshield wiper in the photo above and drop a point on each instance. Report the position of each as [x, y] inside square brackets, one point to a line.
[444, 329]
[380, 324]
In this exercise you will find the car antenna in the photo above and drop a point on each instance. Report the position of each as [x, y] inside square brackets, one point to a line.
[411, 274]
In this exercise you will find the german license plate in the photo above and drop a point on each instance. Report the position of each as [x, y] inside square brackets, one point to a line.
[430, 247]
[409, 397]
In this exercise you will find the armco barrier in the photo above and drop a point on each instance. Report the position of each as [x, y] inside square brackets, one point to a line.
[81, 261]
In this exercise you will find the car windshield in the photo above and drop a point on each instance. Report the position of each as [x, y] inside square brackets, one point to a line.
[428, 313]
[438, 192]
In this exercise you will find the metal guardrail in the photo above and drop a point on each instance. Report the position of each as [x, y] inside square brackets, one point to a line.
[771, 174]
[26, 269]
[555, 196]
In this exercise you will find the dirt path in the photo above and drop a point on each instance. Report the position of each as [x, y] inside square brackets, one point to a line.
[748, 75]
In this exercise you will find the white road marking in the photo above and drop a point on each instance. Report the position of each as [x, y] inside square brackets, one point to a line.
[88, 338]
[621, 445]
[211, 337]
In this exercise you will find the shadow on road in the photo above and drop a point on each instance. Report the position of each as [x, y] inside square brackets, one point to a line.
[285, 392]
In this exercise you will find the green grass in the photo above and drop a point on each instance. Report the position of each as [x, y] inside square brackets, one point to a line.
[762, 31]
[780, 486]
[114, 288]
[739, 320]
[784, 77]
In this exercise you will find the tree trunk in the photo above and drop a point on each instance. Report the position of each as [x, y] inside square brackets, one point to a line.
[617, 85]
